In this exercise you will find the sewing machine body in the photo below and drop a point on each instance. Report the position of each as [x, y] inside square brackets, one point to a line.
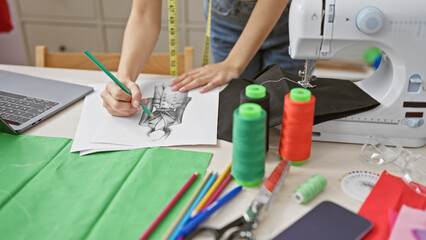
[398, 28]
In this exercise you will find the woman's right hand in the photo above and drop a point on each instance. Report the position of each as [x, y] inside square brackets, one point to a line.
[118, 103]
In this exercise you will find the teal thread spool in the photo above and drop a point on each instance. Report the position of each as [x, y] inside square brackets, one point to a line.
[309, 189]
[248, 138]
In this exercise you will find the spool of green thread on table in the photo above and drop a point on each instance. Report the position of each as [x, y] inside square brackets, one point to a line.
[309, 189]
[248, 138]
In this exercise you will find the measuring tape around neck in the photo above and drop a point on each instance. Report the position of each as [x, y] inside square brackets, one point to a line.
[173, 37]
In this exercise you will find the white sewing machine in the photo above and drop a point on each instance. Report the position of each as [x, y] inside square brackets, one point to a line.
[320, 28]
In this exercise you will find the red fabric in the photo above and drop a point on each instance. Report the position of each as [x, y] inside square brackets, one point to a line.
[5, 22]
[390, 192]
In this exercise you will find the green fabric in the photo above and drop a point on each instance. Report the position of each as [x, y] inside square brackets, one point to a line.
[46, 192]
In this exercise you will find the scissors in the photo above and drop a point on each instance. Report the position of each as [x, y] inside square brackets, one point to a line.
[242, 227]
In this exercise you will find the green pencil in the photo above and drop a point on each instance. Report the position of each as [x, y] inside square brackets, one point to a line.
[115, 80]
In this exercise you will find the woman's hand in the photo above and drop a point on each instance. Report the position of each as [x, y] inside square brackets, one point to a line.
[118, 102]
[209, 76]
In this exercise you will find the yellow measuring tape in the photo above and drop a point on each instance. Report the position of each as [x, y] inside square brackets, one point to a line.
[173, 37]
[173, 40]
[206, 48]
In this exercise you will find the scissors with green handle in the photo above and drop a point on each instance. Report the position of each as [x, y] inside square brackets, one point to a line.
[242, 227]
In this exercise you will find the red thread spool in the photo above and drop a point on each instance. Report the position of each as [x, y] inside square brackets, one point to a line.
[296, 129]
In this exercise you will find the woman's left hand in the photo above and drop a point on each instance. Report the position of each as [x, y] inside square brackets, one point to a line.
[208, 76]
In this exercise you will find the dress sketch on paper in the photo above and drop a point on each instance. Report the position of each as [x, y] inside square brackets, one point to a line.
[168, 108]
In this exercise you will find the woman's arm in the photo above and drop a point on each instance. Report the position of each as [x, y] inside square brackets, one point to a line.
[140, 37]
[261, 22]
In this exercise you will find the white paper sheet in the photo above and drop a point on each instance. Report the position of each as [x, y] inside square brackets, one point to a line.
[197, 125]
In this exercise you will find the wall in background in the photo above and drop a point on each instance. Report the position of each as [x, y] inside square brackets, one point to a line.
[11, 47]
[98, 25]
[42, 28]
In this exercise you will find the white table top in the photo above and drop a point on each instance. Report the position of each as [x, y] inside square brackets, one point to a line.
[332, 160]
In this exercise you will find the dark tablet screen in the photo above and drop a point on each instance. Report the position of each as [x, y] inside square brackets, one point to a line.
[327, 221]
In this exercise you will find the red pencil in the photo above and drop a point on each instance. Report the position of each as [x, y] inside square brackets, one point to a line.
[218, 191]
[169, 206]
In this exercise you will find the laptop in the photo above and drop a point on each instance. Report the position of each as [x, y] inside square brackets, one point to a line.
[27, 100]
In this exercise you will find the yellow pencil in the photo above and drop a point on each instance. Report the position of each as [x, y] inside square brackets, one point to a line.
[212, 189]
[186, 207]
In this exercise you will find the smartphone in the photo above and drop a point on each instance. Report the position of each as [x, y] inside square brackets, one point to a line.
[327, 221]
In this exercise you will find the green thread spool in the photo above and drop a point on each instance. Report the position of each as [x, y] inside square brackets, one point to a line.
[248, 138]
[309, 189]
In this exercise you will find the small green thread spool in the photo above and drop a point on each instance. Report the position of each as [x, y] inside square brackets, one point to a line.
[248, 138]
[309, 189]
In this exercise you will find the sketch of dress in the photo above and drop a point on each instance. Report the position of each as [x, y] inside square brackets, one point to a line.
[168, 108]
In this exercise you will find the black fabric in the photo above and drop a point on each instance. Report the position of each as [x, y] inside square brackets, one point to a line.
[334, 98]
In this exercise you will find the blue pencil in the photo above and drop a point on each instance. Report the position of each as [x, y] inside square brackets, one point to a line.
[187, 215]
[193, 223]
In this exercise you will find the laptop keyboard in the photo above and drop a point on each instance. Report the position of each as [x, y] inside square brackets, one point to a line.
[16, 109]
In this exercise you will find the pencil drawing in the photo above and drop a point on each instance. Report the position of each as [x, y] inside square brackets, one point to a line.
[168, 108]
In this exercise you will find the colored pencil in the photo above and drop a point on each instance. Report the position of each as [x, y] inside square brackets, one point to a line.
[194, 222]
[115, 80]
[169, 206]
[212, 190]
[185, 218]
[218, 191]
[186, 207]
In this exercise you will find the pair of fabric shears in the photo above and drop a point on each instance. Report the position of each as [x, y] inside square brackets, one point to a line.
[242, 227]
